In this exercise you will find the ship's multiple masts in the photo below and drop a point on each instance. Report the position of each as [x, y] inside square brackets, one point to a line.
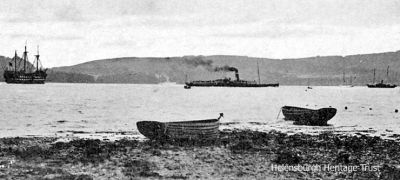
[387, 75]
[23, 72]
[25, 61]
[381, 84]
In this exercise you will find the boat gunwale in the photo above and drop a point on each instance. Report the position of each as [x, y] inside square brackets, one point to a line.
[190, 122]
[294, 108]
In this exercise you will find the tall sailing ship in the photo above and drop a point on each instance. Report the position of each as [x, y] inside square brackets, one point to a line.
[382, 84]
[20, 71]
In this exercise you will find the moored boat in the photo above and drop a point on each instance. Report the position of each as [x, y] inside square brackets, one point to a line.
[304, 116]
[381, 84]
[196, 130]
[228, 82]
[26, 74]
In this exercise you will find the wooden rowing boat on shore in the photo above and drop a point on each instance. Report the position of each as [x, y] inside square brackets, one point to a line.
[197, 130]
[304, 116]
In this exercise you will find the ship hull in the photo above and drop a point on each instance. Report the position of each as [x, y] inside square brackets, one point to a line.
[231, 85]
[381, 85]
[12, 77]
[24, 81]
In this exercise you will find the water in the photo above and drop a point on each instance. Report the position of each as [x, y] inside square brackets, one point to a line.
[55, 108]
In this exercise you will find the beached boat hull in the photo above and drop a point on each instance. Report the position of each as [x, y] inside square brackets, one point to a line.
[189, 130]
[304, 116]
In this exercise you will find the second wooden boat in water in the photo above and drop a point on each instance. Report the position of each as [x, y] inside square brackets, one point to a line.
[304, 116]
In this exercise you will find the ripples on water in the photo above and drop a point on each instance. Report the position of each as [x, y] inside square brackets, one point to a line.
[55, 108]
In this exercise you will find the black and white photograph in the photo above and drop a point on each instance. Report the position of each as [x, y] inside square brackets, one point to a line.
[199, 89]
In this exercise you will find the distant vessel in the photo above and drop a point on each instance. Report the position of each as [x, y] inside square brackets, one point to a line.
[22, 75]
[350, 84]
[308, 84]
[344, 83]
[381, 84]
[186, 86]
[344, 79]
[228, 82]
[351, 81]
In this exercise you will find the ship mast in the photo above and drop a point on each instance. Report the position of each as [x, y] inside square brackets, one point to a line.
[258, 73]
[344, 68]
[373, 80]
[15, 62]
[351, 80]
[25, 56]
[344, 79]
[37, 59]
[387, 74]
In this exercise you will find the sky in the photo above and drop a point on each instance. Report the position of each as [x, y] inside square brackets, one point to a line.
[70, 32]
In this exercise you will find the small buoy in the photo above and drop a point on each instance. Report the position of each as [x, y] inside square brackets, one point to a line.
[370, 108]
[345, 107]
[396, 110]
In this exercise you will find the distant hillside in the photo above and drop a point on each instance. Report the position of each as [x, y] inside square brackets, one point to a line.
[326, 70]
[55, 76]
[4, 63]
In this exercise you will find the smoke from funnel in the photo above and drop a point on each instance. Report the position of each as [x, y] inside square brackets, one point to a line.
[198, 61]
[228, 68]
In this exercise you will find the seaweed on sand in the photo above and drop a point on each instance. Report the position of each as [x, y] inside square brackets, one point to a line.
[236, 154]
[244, 145]
[32, 152]
[288, 156]
[91, 151]
[139, 168]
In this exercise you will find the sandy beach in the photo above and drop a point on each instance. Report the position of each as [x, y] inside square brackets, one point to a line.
[238, 154]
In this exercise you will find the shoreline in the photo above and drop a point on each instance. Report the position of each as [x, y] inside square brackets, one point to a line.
[238, 154]
[289, 129]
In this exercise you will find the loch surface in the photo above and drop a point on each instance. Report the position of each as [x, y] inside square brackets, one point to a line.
[54, 108]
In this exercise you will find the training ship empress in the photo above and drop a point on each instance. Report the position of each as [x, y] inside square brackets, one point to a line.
[25, 75]
[228, 82]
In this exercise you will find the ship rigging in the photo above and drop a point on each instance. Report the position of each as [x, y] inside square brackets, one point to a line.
[28, 74]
